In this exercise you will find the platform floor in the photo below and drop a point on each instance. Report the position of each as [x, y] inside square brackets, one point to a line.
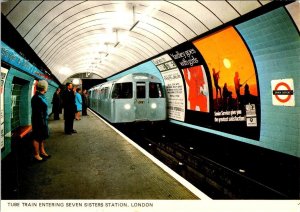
[96, 163]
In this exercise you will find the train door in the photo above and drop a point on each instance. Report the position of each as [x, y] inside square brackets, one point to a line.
[141, 103]
[122, 102]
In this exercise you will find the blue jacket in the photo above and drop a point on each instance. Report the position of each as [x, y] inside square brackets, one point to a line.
[78, 101]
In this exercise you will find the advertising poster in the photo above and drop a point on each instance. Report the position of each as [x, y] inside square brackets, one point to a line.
[192, 67]
[174, 86]
[236, 103]
[3, 77]
[197, 88]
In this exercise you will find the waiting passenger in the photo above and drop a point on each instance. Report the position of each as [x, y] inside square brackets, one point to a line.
[69, 109]
[78, 102]
[39, 121]
[56, 104]
[84, 96]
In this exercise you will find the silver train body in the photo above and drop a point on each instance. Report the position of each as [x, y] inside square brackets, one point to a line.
[132, 98]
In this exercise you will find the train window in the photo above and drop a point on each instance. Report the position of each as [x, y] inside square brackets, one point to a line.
[140, 90]
[155, 90]
[104, 93]
[122, 91]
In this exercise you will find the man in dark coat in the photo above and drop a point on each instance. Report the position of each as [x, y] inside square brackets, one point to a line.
[84, 102]
[69, 109]
[56, 104]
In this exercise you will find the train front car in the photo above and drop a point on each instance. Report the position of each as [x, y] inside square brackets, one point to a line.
[138, 97]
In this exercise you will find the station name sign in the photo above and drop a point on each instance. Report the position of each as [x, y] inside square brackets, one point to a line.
[283, 92]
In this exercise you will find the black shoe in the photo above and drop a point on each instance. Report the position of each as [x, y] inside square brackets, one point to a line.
[68, 133]
[74, 131]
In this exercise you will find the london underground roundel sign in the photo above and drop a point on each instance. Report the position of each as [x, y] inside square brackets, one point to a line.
[283, 92]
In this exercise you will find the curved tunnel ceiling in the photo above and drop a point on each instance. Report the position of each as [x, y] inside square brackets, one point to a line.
[106, 37]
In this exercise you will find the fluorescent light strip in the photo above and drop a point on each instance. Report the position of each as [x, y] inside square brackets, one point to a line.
[134, 26]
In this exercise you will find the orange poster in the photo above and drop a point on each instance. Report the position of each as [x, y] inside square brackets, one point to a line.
[231, 68]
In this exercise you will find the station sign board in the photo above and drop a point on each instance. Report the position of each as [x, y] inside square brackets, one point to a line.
[283, 92]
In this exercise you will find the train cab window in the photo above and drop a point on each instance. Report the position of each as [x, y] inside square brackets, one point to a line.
[140, 90]
[155, 90]
[122, 90]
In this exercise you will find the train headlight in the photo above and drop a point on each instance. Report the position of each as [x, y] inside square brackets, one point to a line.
[153, 105]
[127, 106]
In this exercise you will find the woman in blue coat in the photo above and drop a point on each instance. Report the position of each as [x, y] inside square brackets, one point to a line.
[78, 102]
[39, 121]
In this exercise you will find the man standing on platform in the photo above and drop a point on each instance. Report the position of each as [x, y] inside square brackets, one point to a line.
[69, 109]
[84, 102]
[56, 104]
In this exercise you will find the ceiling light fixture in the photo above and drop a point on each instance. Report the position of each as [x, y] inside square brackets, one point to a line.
[133, 18]
[65, 71]
[117, 38]
[133, 26]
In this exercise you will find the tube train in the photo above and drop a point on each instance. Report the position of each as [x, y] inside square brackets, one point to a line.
[132, 98]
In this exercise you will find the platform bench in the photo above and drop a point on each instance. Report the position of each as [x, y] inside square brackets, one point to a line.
[21, 132]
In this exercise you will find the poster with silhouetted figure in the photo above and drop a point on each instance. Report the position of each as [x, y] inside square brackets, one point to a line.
[236, 103]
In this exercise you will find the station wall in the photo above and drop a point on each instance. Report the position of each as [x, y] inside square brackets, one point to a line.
[273, 44]
[18, 79]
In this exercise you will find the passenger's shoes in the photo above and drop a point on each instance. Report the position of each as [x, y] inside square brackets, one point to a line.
[39, 161]
[74, 131]
[45, 156]
[68, 133]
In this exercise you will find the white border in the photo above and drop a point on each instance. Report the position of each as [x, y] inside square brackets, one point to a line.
[180, 179]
